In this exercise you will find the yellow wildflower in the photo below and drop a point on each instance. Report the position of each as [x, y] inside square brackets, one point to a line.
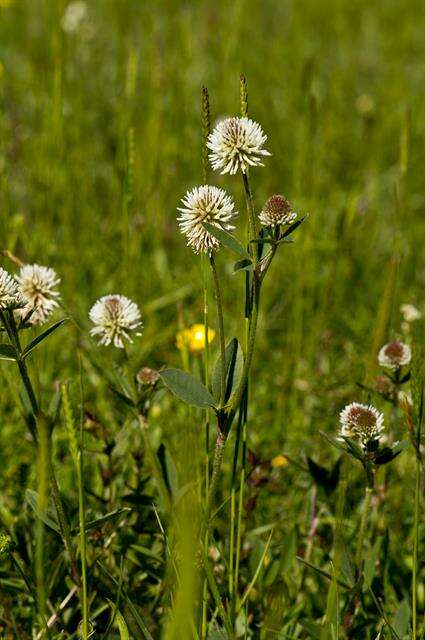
[193, 338]
[279, 461]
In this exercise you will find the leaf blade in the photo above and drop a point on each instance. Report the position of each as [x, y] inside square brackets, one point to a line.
[187, 388]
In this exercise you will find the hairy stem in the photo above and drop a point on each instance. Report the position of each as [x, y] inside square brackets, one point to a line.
[215, 477]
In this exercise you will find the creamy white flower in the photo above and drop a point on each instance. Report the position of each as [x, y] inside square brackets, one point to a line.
[38, 285]
[115, 318]
[10, 296]
[410, 313]
[394, 355]
[205, 204]
[236, 143]
[362, 421]
[74, 14]
[277, 210]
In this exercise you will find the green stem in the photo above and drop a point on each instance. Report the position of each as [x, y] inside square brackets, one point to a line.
[237, 398]
[83, 549]
[215, 477]
[42, 465]
[415, 549]
[220, 330]
[363, 525]
[64, 527]
[233, 503]
[207, 425]
[250, 208]
[243, 411]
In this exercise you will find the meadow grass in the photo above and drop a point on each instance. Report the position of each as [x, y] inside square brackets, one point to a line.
[101, 135]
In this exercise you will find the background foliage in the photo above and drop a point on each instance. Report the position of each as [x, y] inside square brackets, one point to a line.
[100, 137]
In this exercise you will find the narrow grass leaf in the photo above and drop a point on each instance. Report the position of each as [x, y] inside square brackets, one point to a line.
[34, 343]
[32, 499]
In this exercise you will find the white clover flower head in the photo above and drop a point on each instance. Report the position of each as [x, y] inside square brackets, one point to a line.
[236, 143]
[410, 313]
[277, 210]
[394, 355]
[38, 286]
[10, 296]
[115, 318]
[74, 14]
[205, 204]
[362, 421]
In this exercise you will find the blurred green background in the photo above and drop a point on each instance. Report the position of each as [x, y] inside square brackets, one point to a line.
[100, 138]
[338, 88]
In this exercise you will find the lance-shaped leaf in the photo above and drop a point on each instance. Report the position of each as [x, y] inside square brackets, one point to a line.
[34, 343]
[187, 388]
[234, 366]
[292, 228]
[8, 352]
[227, 240]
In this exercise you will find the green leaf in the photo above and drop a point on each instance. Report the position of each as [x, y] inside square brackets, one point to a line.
[234, 366]
[187, 388]
[321, 572]
[8, 352]
[134, 612]
[119, 621]
[289, 551]
[312, 628]
[326, 478]
[123, 397]
[243, 265]
[292, 228]
[32, 499]
[99, 522]
[401, 621]
[227, 240]
[330, 625]
[370, 564]
[34, 343]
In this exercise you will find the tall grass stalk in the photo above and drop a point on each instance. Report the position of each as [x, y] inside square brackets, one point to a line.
[205, 131]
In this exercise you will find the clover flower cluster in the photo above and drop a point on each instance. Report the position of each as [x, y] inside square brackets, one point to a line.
[10, 295]
[115, 318]
[32, 295]
[235, 145]
[394, 355]
[361, 421]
